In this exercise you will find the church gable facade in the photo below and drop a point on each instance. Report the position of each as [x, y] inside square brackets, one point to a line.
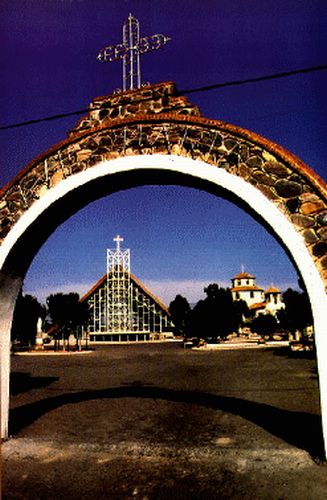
[122, 308]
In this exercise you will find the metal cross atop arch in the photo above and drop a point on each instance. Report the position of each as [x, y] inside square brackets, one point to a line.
[130, 50]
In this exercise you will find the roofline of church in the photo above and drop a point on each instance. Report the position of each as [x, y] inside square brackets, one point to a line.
[258, 305]
[272, 289]
[137, 281]
[243, 275]
[247, 288]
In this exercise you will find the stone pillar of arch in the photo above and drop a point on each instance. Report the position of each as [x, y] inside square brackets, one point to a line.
[152, 135]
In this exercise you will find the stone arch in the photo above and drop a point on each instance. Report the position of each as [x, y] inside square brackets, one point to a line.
[155, 126]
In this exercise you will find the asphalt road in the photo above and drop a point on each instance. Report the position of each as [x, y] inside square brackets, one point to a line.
[160, 422]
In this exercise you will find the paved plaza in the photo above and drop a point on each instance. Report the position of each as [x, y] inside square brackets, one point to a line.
[162, 422]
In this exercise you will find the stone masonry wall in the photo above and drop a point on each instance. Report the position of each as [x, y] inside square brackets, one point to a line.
[148, 100]
[156, 120]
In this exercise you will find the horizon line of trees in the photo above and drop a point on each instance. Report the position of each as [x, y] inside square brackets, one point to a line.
[218, 315]
[63, 311]
[214, 317]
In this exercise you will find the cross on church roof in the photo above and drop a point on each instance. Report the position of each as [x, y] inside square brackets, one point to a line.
[129, 51]
[118, 241]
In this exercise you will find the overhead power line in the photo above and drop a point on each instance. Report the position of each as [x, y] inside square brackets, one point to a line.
[274, 76]
[44, 119]
[205, 88]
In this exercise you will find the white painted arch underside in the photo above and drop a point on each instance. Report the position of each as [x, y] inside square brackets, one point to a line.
[197, 169]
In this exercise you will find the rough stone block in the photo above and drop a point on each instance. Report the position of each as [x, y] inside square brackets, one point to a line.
[41, 191]
[263, 178]
[288, 189]
[255, 161]
[322, 218]
[322, 233]
[309, 197]
[83, 154]
[320, 249]
[310, 236]
[176, 149]
[268, 191]
[89, 144]
[230, 144]
[293, 204]
[56, 178]
[244, 171]
[295, 178]
[244, 152]
[302, 220]
[103, 113]
[94, 159]
[14, 196]
[268, 157]
[276, 168]
[311, 207]
[232, 159]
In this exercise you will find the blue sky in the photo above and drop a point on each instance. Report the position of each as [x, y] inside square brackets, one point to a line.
[180, 238]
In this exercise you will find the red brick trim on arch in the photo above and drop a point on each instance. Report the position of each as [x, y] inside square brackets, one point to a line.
[283, 154]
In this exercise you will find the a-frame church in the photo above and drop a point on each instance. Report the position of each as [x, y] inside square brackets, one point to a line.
[122, 308]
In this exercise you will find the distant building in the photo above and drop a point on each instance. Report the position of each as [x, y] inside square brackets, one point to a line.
[258, 300]
[274, 301]
[122, 308]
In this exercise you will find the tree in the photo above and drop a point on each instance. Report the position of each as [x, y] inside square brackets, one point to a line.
[197, 324]
[297, 313]
[265, 325]
[27, 312]
[241, 311]
[67, 312]
[217, 315]
[180, 310]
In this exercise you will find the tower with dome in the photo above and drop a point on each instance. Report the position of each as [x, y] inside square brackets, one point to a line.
[258, 300]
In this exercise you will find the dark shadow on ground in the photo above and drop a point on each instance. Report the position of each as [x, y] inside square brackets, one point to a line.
[23, 382]
[299, 429]
[286, 351]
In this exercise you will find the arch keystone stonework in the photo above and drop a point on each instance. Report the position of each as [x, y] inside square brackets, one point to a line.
[154, 135]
